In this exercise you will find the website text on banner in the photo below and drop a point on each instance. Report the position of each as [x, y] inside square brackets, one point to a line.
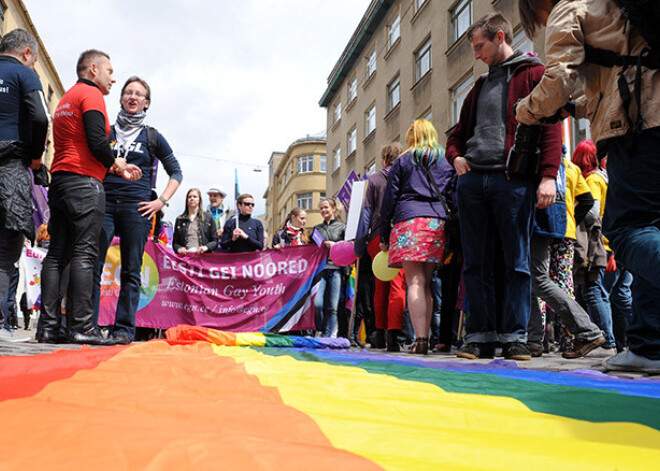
[268, 291]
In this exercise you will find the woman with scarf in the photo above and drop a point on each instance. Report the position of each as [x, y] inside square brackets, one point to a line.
[129, 207]
[293, 232]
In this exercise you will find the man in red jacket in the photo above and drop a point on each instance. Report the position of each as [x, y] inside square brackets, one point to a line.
[492, 203]
[77, 200]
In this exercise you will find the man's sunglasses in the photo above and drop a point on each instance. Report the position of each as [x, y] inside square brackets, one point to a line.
[247, 204]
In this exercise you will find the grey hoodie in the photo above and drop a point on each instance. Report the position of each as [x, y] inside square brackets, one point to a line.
[485, 149]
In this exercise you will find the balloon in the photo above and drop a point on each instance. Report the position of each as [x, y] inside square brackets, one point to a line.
[342, 253]
[380, 268]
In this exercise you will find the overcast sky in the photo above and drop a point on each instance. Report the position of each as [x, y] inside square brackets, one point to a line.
[231, 81]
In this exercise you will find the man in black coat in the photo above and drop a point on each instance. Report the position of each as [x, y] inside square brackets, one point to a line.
[23, 130]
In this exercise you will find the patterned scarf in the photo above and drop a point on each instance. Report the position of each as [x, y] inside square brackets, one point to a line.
[127, 129]
[295, 233]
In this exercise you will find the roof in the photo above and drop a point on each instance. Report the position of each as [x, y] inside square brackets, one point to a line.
[361, 37]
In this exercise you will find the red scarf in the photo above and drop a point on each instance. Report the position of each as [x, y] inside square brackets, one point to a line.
[295, 233]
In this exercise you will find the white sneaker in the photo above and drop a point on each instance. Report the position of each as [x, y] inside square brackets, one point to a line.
[629, 361]
[10, 336]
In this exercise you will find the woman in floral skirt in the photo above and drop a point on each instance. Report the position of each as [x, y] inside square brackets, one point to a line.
[413, 217]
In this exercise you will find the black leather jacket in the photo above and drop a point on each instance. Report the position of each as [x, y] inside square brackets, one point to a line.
[207, 233]
[333, 231]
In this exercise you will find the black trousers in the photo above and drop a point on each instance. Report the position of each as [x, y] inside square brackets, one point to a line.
[76, 213]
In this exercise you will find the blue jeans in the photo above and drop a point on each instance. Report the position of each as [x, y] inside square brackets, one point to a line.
[489, 204]
[76, 212]
[596, 301]
[619, 284]
[632, 224]
[123, 219]
[326, 302]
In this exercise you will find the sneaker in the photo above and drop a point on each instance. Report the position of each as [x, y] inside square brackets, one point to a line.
[582, 347]
[516, 351]
[7, 335]
[629, 361]
[536, 349]
[475, 350]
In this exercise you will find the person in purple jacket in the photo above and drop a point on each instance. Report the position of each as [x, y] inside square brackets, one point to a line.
[413, 218]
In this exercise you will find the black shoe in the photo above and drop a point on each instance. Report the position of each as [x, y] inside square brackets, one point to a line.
[47, 336]
[90, 337]
[535, 348]
[475, 350]
[120, 339]
[377, 338]
[516, 351]
[393, 340]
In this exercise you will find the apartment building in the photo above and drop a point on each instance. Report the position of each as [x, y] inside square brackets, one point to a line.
[14, 14]
[407, 59]
[297, 178]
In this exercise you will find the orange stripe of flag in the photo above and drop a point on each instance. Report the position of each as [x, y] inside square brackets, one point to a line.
[160, 406]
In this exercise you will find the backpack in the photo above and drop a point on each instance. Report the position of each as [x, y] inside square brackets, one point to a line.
[644, 16]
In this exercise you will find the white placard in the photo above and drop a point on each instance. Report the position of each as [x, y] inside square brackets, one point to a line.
[355, 209]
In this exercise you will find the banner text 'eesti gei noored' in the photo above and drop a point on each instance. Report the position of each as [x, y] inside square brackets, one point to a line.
[267, 291]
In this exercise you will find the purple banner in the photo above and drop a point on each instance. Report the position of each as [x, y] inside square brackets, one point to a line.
[268, 291]
[344, 195]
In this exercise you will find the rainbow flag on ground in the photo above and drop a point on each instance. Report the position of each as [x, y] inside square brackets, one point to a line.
[199, 405]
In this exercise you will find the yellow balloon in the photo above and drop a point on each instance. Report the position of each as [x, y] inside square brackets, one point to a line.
[380, 268]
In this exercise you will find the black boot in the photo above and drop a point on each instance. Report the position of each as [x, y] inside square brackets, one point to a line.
[393, 340]
[377, 338]
[91, 336]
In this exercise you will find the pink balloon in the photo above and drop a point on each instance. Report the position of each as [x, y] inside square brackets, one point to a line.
[342, 253]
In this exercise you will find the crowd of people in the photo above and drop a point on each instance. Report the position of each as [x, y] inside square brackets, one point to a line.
[519, 245]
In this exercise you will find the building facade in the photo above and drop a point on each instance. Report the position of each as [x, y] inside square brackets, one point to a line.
[407, 59]
[297, 178]
[14, 14]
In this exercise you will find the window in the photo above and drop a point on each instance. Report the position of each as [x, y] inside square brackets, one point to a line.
[393, 93]
[322, 195]
[419, 4]
[371, 168]
[428, 116]
[306, 164]
[394, 31]
[352, 90]
[423, 60]
[371, 63]
[336, 158]
[458, 95]
[50, 94]
[370, 120]
[304, 200]
[323, 163]
[337, 112]
[521, 42]
[461, 18]
[351, 141]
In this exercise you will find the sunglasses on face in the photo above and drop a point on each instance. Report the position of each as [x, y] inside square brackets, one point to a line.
[247, 204]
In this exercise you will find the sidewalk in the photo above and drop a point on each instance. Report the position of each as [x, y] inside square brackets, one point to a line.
[548, 362]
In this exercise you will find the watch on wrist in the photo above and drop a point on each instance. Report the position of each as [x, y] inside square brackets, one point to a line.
[163, 200]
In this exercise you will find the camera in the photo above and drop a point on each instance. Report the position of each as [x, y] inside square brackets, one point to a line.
[525, 156]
